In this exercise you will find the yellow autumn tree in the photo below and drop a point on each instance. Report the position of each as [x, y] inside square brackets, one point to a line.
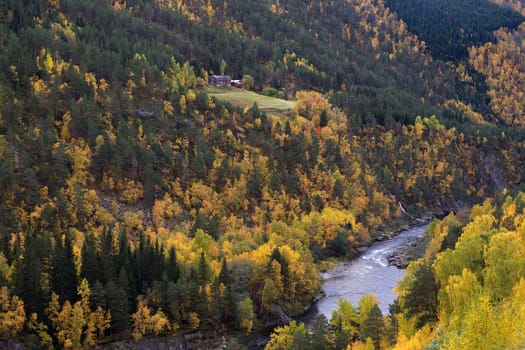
[144, 322]
[12, 314]
[71, 322]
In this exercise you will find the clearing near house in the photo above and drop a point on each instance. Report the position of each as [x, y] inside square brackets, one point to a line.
[244, 98]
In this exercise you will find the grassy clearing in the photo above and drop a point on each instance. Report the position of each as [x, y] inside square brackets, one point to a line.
[244, 98]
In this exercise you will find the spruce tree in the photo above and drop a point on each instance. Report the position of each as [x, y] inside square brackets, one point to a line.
[373, 326]
[90, 269]
[172, 270]
[323, 119]
[63, 273]
[32, 272]
[107, 255]
[203, 273]
[224, 274]
[318, 334]
[117, 302]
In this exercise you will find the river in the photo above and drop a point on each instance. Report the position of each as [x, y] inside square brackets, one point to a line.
[368, 273]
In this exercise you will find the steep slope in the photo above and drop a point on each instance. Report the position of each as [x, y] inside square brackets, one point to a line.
[182, 212]
[483, 39]
[289, 45]
[449, 28]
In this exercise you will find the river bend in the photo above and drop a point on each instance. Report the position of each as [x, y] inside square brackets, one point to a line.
[367, 273]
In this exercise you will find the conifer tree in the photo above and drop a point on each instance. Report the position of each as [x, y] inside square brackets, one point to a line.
[373, 326]
[224, 274]
[64, 277]
[318, 339]
[117, 303]
[203, 275]
[323, 119]
[107, 255]
[32, 272]
[172, 270]
[90, 269]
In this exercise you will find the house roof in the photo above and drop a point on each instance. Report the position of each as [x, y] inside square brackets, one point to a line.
[220, 76]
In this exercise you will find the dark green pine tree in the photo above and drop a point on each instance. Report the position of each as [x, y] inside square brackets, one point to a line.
[139, 265]
[203, 309]
[203, 273]
[275, 181]
[124, 250]
[373, 326]
[148, 263]
[201, 222]
[32, 272]
[393, 328]
[224, 274]
[123, 283]
[342, 339]
[421, 298]
[221, 175]
[117, 303]
[172, 270]
[173, 301]
[287, 128]
[125, 262]
[217, 304]
[254, 186]
[323, 119]
[184, 301]
[98, 295]
[319, 330]
[63, 273]
[313, 150]
[90, 269]
[230, 313]
[338, 190]
[151, 180]
[198, 166]
[158, 261]
[107, 256]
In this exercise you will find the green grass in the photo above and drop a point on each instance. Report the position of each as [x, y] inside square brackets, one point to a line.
[244, 98]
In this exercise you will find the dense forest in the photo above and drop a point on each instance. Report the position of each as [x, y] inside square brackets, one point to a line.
[449, 27]
[135, 204]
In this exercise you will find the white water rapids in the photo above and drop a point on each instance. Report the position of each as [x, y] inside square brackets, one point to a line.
[367, 273]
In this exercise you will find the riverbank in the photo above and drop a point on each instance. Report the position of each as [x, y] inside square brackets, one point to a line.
[414, 251]
[387, 232]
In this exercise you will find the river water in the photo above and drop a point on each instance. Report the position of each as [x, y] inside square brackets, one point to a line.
[367, 273]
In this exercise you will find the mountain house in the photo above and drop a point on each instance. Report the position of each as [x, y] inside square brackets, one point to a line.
[220, 80]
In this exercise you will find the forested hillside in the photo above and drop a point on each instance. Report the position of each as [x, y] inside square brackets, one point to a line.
[450, 27]
[134, 204]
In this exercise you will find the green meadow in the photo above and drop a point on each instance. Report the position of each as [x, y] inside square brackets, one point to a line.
[244, 98]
